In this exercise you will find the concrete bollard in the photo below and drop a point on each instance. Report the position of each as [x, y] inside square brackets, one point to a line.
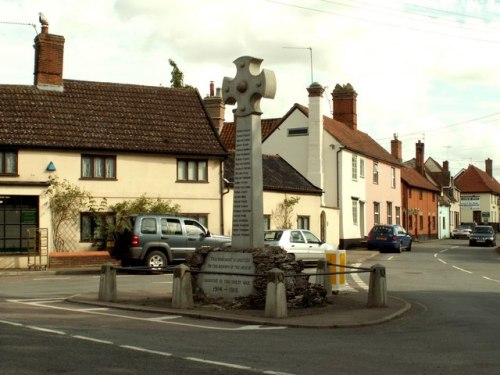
[324, 279]
[182, 291]
[276, 294]
[107, 283]
[377, 293]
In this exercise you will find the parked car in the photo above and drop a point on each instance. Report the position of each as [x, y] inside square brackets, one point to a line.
[389, 237]
[483, 235]
[461, 231]
[156, 240]
[300, 242]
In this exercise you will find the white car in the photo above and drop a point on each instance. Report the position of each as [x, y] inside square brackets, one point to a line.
[303, 243]
[462, 231]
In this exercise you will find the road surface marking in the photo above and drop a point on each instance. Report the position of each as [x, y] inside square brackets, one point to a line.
[78, 310]
[156, 352]
[51, 278]
[166, 317]
[162, 282]
[166, 354]
[92, 339]
[390, 258]
[357, 279]
[461, 269]
[490, 279]
[41, 329]
[442, 261]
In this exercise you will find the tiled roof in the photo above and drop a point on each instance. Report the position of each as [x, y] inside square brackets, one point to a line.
[228, 133]
[353, 140]
[277, 175]
[107, 116]
[414, 179]
[474, 180]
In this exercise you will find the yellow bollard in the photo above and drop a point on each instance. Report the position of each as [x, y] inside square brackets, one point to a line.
[337, 257]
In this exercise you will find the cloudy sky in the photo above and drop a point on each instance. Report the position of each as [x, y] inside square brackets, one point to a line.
[426, 70]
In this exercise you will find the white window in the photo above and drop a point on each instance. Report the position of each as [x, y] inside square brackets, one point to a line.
[362, 168]
[389, 212]
[99, 166]
[192, 170]
[354, 167]
[376, 211]
[302, 222]
[393, 178]
[375, 173]
[355, 211]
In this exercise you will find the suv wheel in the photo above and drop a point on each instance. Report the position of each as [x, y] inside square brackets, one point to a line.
[156, 259]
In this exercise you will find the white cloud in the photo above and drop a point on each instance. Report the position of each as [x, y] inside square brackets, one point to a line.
[416, 67]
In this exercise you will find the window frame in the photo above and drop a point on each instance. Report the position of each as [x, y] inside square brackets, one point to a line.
[109, 217]
[393, 178]
[187, 172]
[361, 168]
[376, 212]
[354, 167]
[375, 173]
[389, 213]
[92, 158]
[303, 222]
[200, 217]
[4, 162]
[354, 206]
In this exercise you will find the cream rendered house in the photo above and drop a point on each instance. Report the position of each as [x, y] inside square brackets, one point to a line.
[116, 141]
[357, 175]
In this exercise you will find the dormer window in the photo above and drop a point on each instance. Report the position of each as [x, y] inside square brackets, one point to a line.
[8, 162]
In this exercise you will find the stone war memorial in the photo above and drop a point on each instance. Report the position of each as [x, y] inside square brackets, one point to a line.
[238, 276]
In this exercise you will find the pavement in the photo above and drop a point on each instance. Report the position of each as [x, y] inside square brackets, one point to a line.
[346, 310]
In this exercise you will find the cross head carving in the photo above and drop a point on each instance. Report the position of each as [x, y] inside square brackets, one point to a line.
[248, 86]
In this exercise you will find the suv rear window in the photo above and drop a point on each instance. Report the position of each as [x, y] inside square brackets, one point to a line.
[148, 225]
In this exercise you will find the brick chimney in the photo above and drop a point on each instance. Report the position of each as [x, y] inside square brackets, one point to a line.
[49, 53]
[489, 167]
[215, 107]
[315, 135]
[419, 157]
[397, 148]
[446, 166]
[344, 105]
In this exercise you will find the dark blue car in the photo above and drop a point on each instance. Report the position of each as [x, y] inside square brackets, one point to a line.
[389, 237]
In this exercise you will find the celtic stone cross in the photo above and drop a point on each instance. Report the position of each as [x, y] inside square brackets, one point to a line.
[246, 89]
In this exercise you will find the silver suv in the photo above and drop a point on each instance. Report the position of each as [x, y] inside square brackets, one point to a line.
[157, 240]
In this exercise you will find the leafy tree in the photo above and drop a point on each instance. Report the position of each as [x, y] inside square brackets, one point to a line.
[177, 80]
[140, 205]
[65, 202]
[282, 216]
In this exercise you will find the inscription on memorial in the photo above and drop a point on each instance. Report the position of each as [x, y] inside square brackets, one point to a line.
[217, 284]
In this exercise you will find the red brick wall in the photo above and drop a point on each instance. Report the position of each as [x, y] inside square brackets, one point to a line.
[49, 56]
[80, 259]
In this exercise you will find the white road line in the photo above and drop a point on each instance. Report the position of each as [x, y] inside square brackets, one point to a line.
[490, 279]
[224, 364]
[461, 269]
[390, 258]
[259, 327]
[442, 261]
[162, 282]
[135, 318]
[357, 279]
[41, 329]
[11, 323]
[167, 317]
[92, 339]
[51, 278]
[166, 354]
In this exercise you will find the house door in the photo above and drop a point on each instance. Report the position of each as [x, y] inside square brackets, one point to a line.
[17, 215]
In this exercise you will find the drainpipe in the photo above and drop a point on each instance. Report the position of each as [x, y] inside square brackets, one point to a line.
[341, 234]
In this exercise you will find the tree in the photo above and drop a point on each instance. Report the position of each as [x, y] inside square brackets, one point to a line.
[140, 205]
[282, 216]
[65, 203]
[177, 80]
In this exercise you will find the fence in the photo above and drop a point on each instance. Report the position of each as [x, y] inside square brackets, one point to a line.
[276, 304]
